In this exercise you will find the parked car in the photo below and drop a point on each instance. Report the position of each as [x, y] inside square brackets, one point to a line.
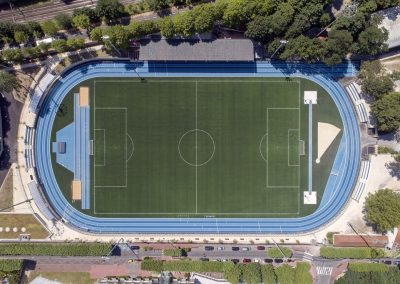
[246, 260]
[245, 248]
[257, 260]
[388, 262]
[268, 260]
[235, 260]
[278, 260]
[221, 248]
[135, 247]
[235, 248]
[260, 247]
[208, 248]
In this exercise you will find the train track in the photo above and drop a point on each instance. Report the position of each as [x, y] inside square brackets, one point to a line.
[45, 12]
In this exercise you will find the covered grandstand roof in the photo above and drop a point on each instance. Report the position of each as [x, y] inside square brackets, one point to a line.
[196, 50]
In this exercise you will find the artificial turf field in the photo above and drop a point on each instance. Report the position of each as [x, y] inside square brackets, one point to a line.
[199, 147]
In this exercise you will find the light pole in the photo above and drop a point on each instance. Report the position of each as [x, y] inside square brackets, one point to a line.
[282, 43]
[107, 38]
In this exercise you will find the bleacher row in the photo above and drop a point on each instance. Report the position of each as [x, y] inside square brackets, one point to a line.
[364, 173]
[28, 153]
[355, 94]
[40, 201]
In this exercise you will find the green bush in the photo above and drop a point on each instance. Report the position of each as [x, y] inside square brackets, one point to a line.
[387, 150]
[232, 272]
[286, 274]
[7, 265]
[152, 265]
[367, 267]
[276, 252]
[61, 249]
[174, 252]
[251, 273]
[268, 274]
[330, 252]
[329, 237]
[302, 273]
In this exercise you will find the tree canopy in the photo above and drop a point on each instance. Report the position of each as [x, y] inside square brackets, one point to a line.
[387, 112]
[375, 82]
[8, 82]
[109, 9]
[383, 207]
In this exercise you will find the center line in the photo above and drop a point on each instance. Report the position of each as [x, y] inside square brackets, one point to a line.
[196, 147]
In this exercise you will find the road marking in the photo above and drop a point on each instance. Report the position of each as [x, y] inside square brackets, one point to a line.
[324, 270]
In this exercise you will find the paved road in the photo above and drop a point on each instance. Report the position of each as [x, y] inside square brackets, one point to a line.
[46, 11]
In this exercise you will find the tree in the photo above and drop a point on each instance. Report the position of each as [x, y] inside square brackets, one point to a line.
[232, 272]
[337, 46]
[81, 21]
[258, 29]
[383, 207]
[8, 82]
[35, 29]
[205, 17]
[285, 274]
[109, 9]
[96, 34]
[237, 13]
[13, 55]
[387, 112]
[302, 273]
[303, 48]
[64, 21]
[44, 47]
[372, 41]
[6, 30]
[21, 37]
[184, 24]
[118, 36]
[75, 43]
[31, 52]
[93, 17]
[60, 45]
[375, 81]
[49, 28]
[156, 5]
[167, 28]
[268, 274]
[252, 273]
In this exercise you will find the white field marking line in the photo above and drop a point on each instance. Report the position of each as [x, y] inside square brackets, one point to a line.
[126, 151]
[104, 147]
[133, 147]
[94, 146]
[260, 147]
[199, 213]
[196, 147]
[179, 147]
[234, 213]
[289, 131]
[299, 168]
[196, 79]
[267, 175]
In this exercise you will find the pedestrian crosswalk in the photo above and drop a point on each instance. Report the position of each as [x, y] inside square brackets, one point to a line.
[307, 257]
[324, 270]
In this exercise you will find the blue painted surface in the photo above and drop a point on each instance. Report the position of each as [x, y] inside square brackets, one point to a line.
[66, 135]
[325, 76]
[310, 147]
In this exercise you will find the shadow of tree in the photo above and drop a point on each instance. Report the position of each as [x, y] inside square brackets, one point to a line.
[5, 120]
[394, 169]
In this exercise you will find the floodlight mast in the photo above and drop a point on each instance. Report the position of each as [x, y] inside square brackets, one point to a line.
[107, 38]
[282, 43]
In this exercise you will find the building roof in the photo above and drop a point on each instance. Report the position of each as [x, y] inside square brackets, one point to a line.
[377, 241]
[196, 50]
[391, 21]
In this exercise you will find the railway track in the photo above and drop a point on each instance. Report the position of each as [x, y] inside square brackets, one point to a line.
[49, 11]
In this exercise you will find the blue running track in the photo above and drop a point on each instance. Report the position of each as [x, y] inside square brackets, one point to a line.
[338, 190]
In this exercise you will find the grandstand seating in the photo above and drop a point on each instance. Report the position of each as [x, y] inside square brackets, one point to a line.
[355, 94]
[40, 201]
[364, 173]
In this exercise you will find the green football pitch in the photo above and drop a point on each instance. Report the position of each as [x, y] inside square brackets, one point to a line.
[198, 147]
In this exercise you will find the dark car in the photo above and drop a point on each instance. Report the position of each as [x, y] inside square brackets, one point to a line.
[235, 260]
[235, 248]
[268, 260]
[204, 259]
[260, 247]
[278, 260]
[246, 260]
[388, 262]
[135, 247]
[208, 248]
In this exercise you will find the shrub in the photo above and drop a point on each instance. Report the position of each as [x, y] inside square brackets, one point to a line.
[330, 252]
[302, 273]
[49, 28]
[7, 265]
[285, 274]
[175, 252]
[367, 267]
[152, 265]
[60, 45]
[64, 21]
[276, 252]
[329, 237]
[76, 43]
[61, 249]
[268, 274]
[251, 273]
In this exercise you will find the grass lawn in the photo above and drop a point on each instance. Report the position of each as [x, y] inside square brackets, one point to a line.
[6, 192]
[63, 277]
[198, 147]
[28, 221]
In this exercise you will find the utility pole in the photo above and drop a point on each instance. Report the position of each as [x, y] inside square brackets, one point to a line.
[282, 43]
[107, 38]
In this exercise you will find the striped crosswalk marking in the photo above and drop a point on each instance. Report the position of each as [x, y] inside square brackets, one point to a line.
[307, 257]
[324, 270]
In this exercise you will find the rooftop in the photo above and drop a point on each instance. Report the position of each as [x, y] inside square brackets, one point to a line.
[377, 241]
[197, 50]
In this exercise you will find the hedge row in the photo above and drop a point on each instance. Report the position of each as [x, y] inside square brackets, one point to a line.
[367, 267]
[276, 253]
[234, 273]
[62, 249]
[7, 265]
[330, 252]
[176, 252]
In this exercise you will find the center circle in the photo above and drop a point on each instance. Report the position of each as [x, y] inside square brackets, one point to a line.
[196, 147]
